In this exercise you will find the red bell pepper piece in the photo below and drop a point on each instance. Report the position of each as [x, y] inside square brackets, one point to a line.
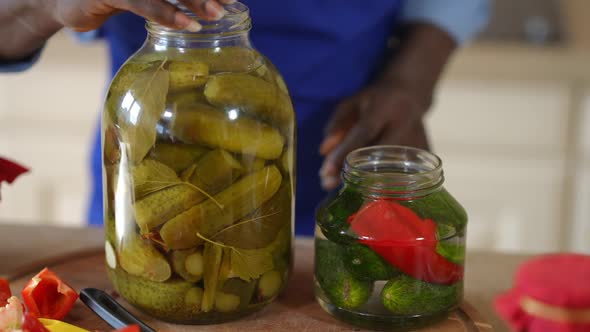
[130, 328]
[47, 296]
[9, 171]
[5, 293]
[406, 241]
[32, 324]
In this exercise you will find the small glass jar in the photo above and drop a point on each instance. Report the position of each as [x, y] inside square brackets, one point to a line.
[390, 245]
[198, 133]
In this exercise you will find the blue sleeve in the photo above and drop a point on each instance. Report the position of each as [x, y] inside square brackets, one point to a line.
[20, 65]
[26, 63]
[462, 19]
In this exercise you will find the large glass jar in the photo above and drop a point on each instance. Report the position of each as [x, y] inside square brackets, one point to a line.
[390, 246]
[198, 136]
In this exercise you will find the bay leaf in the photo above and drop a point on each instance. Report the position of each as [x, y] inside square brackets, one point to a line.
[212, 255]
[225, 268]
[260, 228]
[246, 264]
[141, 109]
[151, 176]
[215, 171]
[249, 264]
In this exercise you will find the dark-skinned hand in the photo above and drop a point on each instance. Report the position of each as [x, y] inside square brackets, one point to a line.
[385, 113]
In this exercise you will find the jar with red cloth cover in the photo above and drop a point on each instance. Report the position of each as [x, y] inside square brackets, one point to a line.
[390, 245]
[550, 293]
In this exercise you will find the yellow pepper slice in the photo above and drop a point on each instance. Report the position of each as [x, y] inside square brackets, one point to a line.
[59, 326]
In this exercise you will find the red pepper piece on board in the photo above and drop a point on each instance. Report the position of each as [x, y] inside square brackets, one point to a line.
[47, 296]
[5, 293]
[9, 171]
[130, 328]
[406, 241]
[32, 324]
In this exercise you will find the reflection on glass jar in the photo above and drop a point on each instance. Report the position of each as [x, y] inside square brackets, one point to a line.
[198, 133]
[390, 246]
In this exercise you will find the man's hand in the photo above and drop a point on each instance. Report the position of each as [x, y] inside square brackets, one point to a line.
[386, 113]
[390, 110]
[85, 15]
[25, 25]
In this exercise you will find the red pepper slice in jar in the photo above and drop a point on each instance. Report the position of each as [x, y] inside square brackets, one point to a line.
[406, 241]
[5, 293]
[47, 296]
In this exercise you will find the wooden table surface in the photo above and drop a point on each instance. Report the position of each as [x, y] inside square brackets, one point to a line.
[487, 273]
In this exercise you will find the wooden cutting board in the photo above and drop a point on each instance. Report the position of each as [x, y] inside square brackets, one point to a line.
[296, 310]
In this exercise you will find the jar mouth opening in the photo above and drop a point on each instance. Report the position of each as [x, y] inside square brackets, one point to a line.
[393, 169]
[236, 20]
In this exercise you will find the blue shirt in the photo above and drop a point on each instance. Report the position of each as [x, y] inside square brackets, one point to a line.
[325, 49]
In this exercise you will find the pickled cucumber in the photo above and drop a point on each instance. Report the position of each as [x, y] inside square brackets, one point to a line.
[213, 256]
[177, 156]
[140, 258]
[215, 171]
[407, 296]
[163, 205]
[340, 286]
[269, 284]
[364, 263]
[194, 263]
[243, 289]
[251, 164]
[160, 299]
[193, 298]
[185, 75]
[225, 268]
[179, 265]
[453, 251]
[441, 207]
[240, 199]
[225, 302]
[286, 162]
[184, 100]
[332, 217]
[253, 94]
[242, 135]
[224, 59]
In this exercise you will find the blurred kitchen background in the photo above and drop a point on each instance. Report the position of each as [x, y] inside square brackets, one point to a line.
[511, 122]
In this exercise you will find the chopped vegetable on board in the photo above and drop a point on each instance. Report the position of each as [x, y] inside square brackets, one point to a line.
[130, 328]
[47, 296]
[11, 315]
[5, 293]
[32, 324]
[9, 170]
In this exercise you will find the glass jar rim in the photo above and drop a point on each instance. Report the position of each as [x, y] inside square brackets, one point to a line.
[393, 170]
[236, 20]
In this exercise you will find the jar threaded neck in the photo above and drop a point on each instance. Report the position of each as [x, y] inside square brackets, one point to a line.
[393, 171]
[235, 22]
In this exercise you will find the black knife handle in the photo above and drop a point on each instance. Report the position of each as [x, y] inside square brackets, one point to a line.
[110, 310]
